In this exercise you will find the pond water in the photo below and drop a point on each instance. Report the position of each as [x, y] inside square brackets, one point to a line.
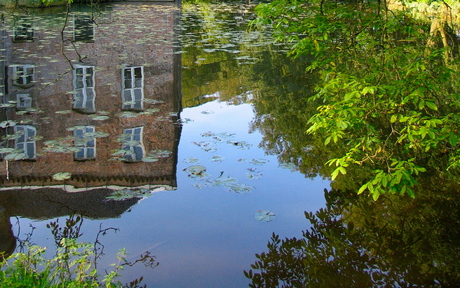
[141, 118]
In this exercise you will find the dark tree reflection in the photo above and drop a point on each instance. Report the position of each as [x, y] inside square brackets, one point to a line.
[356, 242]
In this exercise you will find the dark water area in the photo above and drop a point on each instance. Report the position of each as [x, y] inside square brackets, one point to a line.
[180, 131]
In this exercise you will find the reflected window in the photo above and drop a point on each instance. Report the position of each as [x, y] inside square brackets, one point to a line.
[133, 88]
[25, 140]
[23, 101]
[83, 28]
[23, 32]
[85, 140]
[132, 143]
[23, 74]
[84, 93]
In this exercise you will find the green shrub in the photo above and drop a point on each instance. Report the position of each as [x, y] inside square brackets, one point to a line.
[72, 266]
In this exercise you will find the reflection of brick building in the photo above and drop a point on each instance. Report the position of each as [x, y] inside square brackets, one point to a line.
[108, 88]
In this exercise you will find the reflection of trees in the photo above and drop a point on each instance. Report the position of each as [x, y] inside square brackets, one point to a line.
[219, 52]
[355, 242]
[282, 109]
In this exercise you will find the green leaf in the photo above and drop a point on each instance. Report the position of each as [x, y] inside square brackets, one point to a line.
[432, 106]
[362, 189]
[376, 194]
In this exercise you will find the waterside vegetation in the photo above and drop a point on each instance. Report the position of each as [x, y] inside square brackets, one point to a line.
[386, 88]
[73, 264]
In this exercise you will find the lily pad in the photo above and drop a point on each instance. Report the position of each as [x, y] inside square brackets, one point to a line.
[207, 112]
[63, 112]
[100, 117]
[6, 150]
[196, 171]
[264, 216]
[258, 161]
[151, 111]
[240, 188]
[62, 176]
[15, 156]
[191, 160]
[217, 159]
[253, 176]
[243, 145]
[8, 123]
[150, 159]
[160, 153]
[153, 101]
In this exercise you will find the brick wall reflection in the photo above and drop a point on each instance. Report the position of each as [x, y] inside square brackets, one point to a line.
[106, 90]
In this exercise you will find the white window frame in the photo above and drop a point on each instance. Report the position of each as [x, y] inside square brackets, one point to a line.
[86, 143]
[131, 135]
[23, 101]
[26, 77]
[132, 93]
[25, 140]
[84, 89]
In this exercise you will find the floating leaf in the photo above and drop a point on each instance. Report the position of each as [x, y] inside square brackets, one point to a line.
[100, 117]
[253, 176]
[153, 101]
[62, 176]
[8, 123]
[258, 162]
[64, 112]
[15, 156]
[240, 144]
[225, 135]
[208, 134]
[150, 159]
[151, 111]
[224, 181]
[206, 146]
[75, 128]
[207, 112]
[98, 134]
[128, 114]
[264, 216]
[196, 171]
[160, 153]
[6, 105]
[217, 159]
[6, 150]
[191, 160]
[240, 188]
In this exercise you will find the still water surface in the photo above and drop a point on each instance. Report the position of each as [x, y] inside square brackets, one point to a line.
[155, 99]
